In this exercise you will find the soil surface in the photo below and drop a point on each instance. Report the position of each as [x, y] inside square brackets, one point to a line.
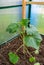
[13, 46]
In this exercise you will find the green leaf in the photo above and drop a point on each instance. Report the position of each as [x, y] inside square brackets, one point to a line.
[36, 51]
[31, 42]
[13, 28]
[34, 32]
[31, 30]
[24, 22]
[38, 37]
[13, 58]
[37, 63]
[17, 26]
[34, 35]
[32, 59]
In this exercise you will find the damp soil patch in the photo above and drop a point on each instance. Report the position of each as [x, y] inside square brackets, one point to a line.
[13, 46]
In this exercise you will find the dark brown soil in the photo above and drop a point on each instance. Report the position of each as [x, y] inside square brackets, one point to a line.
[12, 46]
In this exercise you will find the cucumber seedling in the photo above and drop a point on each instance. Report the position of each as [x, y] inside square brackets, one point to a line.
[30, 38]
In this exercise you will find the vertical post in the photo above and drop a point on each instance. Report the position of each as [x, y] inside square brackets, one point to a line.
[29, 11]
[23, 16]
[23, 9]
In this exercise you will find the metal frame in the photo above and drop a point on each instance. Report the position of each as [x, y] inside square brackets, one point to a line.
[24, 3]
[29, 10]
[24, 6]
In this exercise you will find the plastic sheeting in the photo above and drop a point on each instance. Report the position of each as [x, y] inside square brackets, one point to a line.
[37, 16]
[8, 16]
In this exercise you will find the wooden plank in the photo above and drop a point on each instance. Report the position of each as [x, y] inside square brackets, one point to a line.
[38, 3]
[23, 9]
[24, 6]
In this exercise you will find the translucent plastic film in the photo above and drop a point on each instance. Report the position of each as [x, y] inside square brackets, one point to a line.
[8, 16]
[37, 16]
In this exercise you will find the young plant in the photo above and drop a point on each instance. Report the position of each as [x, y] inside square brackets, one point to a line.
[37, 63]
[32, 59]
[29, 34]
[13, 57]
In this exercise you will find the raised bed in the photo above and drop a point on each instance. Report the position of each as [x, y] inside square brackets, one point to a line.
[13, 46]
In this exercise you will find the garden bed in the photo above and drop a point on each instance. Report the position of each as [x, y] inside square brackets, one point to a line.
[13, 46]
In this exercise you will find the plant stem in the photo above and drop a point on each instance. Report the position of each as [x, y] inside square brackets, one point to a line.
[28, 52]
[19, 48]
[23, 29]
[24, 49]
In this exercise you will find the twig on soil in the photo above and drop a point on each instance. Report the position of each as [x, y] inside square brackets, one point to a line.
[28, 52]
[19, 48]
[24, 49]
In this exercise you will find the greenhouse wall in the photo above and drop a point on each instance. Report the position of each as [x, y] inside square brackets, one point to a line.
[10, 12]
[37, 16]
